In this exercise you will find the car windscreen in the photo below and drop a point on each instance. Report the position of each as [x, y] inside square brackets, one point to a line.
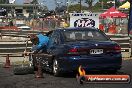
[84, 35]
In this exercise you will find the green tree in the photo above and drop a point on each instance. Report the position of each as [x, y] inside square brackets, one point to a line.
[107, 5]
[120, 3]
[76, 8]
[101, 4]
[90, 4]
[3, 1]
[43, 9]
[104, 4]
[34, 2]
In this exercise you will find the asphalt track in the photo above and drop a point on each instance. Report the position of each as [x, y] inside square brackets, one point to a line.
[9, 80]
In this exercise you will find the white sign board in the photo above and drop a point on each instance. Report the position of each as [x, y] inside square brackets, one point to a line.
[84, 20]
[19, 22]
[11, 1]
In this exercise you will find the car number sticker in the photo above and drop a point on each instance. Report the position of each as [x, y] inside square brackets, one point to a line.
[96, 51]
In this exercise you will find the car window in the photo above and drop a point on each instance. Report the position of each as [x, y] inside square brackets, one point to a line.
[82, 35]
[53, 40]
[56, 40]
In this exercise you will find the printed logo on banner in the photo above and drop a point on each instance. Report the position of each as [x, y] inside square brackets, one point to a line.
[84, 22]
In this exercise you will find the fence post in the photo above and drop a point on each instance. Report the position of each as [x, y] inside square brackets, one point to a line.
[7, 64]
[1, 34]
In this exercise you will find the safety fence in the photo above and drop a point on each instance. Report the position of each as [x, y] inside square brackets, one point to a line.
[124, 41]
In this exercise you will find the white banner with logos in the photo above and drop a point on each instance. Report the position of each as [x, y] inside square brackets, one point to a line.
[11, 1]
[84, 20]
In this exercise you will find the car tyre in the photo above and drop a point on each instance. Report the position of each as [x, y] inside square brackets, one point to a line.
[22, 70]
[56, 71]
[34, 62]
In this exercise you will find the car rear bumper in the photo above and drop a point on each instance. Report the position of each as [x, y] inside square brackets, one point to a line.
[70, 64]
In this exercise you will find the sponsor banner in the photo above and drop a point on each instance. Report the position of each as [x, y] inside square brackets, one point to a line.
[84, 20]
[105, 78]
[11, 1]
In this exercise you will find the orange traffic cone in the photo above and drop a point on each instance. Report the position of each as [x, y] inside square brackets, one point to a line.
[7, 64]
[39, 73]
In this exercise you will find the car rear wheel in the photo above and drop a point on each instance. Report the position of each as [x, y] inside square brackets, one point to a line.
[56, 71]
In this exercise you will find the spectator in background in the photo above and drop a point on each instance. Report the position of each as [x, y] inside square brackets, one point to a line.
[106, 26]
[112, 28]
[122, 22]
[118, 28]
[63, 23]
[101, 27]
[10, 23]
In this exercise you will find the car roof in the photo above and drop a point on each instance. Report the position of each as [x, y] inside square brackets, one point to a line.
[77, 28]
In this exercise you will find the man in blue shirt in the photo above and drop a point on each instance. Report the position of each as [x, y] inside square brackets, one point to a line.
[40, 42]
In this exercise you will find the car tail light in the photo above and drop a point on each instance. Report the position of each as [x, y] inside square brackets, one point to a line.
[117, 48]
[78, 51]
[73, 51]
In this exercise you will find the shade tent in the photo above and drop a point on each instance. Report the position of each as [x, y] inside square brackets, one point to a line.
[125, 5]
[113, 13]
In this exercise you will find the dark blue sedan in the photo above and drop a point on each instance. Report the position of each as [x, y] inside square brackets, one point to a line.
[88, 47]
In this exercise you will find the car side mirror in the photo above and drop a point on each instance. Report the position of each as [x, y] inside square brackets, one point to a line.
[55, 43]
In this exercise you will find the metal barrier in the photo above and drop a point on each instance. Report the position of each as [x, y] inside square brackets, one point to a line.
[124, 41]
[13, 41]
[14, 47]
[20, 33]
